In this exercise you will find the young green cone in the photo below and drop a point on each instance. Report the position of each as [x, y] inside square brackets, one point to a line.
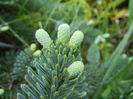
[63, 33]
[43, 38]
[75, 69]
[76, 39]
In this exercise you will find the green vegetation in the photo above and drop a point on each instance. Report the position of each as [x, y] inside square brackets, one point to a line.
[66, 49]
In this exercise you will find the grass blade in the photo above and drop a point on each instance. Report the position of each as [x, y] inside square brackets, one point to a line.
[131, 11]
[114, 58]
[123, 72]
[52, 13]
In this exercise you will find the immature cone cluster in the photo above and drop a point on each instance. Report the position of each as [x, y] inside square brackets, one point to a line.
[43, 38]
[75, 69]
[63, 36]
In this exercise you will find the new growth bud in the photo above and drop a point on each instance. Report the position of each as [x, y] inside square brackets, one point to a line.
[32, 47]
[1, 91]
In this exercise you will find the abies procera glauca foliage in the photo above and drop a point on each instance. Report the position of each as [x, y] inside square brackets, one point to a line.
[59, 71]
